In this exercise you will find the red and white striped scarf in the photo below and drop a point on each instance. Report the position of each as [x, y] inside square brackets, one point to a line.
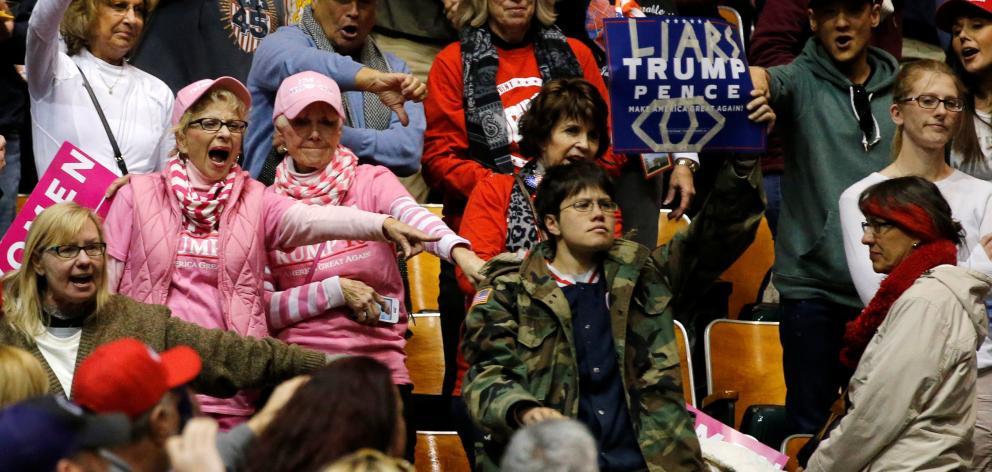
[200, 210]
[330, 186]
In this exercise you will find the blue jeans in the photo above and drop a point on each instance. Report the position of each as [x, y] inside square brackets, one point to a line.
[10, 178]
[773, 191]
[812, 333]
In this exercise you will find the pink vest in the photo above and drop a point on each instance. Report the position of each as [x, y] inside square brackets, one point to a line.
[147, 273]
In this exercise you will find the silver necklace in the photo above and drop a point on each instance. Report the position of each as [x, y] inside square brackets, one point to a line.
[110, 87]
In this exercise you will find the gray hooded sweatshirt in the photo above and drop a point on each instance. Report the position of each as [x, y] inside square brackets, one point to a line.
[825, 153]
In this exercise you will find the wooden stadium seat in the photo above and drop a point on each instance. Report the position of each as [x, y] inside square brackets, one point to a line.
[685, 364]
[440, 451]
[667, 228]
[791, 447]
[748, 272]
[733, 17]
[743, 365]
[425, 353]
[422, 273]
[22, 198]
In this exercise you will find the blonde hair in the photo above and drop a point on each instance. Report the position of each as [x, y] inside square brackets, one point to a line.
[23, 288]
[475, 13]
[369, 460]
[216, 95]
[23, 376]
[906, 79]
[78, 21]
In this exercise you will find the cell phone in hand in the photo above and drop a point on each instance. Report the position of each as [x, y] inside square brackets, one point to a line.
[390, 310]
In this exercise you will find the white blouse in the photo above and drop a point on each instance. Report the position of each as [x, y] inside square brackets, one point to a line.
[137, 105]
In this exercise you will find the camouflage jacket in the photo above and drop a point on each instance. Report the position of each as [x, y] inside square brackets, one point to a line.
[518, 334]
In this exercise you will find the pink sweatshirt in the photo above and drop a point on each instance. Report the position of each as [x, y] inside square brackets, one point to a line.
[307, 307]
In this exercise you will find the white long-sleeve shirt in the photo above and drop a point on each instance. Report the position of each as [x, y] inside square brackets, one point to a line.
[138, 110]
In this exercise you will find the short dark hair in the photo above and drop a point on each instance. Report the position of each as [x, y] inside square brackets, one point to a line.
[915, 205]
[346, 406]
[817, 4]
[560, 99]
[563, 181]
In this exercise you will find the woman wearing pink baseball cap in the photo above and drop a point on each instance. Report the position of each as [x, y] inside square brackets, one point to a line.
[327, 296]
[194, 236]
[970, 25]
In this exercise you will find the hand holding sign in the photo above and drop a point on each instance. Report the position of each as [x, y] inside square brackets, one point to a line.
[761, 111]
[759, 106]
[72, 176]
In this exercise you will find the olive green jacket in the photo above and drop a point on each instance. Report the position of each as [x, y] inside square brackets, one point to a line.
[518, 335]
[230, 362]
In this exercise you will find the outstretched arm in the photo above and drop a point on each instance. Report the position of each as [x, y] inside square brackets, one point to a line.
[724, 228]
[42, 57]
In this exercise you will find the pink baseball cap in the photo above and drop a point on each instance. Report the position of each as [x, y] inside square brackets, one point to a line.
[192, 92]
[299, 90]
[953, 9]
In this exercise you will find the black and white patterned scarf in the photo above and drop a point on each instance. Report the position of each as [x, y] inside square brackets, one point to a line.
[521, 227]
[485, 122]
[377, 115]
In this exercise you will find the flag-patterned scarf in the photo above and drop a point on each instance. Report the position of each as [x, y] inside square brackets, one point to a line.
[330, 187]
[200, 210]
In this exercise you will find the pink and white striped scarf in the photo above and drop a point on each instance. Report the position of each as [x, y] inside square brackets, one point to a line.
[200, 210]
[330, 186]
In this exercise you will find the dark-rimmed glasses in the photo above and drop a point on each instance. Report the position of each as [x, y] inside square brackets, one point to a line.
[931, 102]
[876, 227]
[213, 125]
[71, 251]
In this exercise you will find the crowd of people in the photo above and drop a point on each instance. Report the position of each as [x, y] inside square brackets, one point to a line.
[243, 303]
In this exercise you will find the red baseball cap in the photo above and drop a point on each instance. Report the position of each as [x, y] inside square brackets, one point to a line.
[129, 377]
[192, 92]
[954, 9]
[299, 90]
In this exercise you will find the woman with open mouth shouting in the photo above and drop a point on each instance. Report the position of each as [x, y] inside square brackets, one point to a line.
[57, 307]
[970, 25]
[194, 237]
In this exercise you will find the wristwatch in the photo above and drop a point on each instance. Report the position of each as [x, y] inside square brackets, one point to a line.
[691, 164]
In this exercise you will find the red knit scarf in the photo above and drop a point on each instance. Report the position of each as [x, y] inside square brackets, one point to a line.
[329, 188]
[921, 259]
[200, 210]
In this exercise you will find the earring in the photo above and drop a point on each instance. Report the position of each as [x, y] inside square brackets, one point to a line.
[282, 149]
[916, 244]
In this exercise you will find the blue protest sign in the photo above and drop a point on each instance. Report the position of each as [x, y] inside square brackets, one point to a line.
[679, 84]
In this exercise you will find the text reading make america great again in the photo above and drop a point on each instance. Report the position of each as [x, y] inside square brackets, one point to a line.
[679, 84]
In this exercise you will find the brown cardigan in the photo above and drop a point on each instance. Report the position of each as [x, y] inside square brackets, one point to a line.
[230, 362]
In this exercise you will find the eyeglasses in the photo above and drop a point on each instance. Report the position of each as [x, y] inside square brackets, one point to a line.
[70, 252]
[213, 125]
[586, 205]
[931, 102]
[876, 227]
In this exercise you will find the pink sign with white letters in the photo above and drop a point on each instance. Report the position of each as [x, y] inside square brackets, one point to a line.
[711, 428]
[72, 176]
